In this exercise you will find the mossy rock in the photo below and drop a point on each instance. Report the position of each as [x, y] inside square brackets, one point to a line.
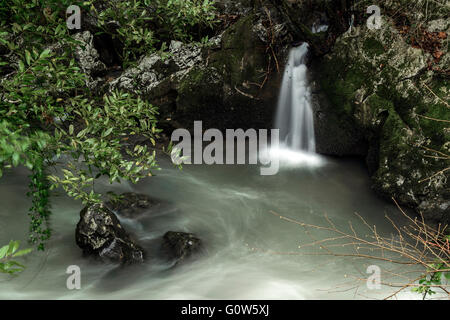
[200, 94]
[243, 55]
[373, 47]
[225, 93]
[379, 82]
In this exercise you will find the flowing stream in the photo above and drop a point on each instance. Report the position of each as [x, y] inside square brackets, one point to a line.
[249, 252]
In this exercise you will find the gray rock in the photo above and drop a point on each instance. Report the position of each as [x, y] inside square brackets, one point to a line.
[215, 42]
[235, 7]
[89, 59]
[87, 55]
[154, 70]
[438, 25]
[100, 234]
[278, 32]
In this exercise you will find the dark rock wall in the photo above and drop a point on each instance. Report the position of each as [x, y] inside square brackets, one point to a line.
[377, 90]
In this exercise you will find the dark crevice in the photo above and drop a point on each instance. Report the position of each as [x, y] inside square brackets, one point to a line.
[108, 49]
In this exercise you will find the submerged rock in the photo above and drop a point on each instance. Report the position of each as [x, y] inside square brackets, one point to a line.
[131, 204]
[100, 234]
[180, 245]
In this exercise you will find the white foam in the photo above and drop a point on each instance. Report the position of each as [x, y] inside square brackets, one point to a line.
[293, 158]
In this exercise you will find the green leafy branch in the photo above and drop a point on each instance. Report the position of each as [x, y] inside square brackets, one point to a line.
[7, 253]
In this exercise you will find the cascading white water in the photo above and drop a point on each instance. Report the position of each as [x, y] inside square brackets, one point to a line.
[294, 115]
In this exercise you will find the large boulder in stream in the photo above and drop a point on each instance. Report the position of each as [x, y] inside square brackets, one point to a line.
[100, 234]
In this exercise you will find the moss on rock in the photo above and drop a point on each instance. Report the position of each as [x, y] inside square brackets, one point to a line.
[379, 82]
[224, 92]
[373, 47]
[242, 56]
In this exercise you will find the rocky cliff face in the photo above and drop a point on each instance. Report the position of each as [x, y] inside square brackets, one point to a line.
[386, 99]
[230, 82]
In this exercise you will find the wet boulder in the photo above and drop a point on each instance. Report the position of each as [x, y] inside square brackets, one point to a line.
[100, 234]
[180, 245]
[131, 205]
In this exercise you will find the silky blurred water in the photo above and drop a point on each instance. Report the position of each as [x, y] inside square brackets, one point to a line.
[228, 207]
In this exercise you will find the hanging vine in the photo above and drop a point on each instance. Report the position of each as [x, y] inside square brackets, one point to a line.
[40, 208]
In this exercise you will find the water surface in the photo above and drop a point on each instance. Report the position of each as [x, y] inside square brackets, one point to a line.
[249, 252]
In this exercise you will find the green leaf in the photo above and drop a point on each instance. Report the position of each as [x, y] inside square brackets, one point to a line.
[22, 252]
[15, 263]
[28, 57]
[21, 66]
[15, 159]
[3, 251]
[82, 133]
[44, 54]
[107, 132]
[13, 246]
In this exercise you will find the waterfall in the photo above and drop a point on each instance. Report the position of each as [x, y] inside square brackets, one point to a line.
[294, 114]
[294, 118]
